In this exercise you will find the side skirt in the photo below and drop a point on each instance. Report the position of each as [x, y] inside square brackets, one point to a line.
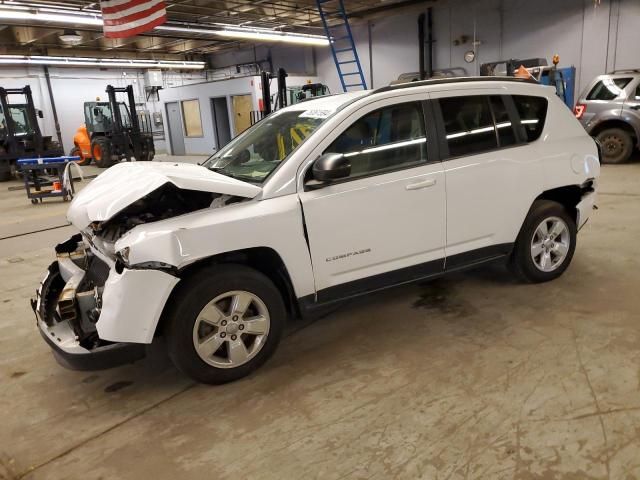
[425, 271]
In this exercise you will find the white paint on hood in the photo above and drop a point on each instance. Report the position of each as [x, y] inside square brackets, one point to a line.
[127, 182]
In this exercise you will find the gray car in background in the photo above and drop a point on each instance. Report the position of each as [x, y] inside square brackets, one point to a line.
[609, 109]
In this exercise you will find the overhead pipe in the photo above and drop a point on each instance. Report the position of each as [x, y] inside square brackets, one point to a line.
[421, 68]
[430, 41]
[53, 105]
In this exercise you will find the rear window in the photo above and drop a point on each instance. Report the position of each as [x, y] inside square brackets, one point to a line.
[532, 111]
[608, 88]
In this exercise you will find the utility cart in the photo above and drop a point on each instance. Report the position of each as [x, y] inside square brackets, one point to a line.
[44, 177]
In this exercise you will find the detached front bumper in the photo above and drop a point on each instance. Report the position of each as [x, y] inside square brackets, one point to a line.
[93, 317]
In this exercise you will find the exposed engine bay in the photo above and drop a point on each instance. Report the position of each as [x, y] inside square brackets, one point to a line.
[167, 201]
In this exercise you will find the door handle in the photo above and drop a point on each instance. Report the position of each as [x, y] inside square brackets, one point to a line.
[424, 184]
[634, 107]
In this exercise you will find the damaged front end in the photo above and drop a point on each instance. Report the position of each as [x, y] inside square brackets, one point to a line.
[99, 304]
[68, 305]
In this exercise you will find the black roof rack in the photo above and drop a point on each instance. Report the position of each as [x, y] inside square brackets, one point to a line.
[438, 81]
[625, 70]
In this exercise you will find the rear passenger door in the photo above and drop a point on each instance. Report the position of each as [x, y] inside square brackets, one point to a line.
[491, 172]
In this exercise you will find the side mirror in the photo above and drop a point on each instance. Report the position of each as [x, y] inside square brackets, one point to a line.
[331, 166]
[40, 114]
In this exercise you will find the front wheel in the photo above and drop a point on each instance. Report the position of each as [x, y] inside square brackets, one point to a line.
[101, 152]
[76, 152]
[546, 243]
[225, 322]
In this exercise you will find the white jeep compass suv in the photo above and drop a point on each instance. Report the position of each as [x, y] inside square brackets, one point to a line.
[319, 202]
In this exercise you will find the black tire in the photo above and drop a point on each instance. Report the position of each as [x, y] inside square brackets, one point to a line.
[617, 145]
[101, 152]
[76, 152]
[194, 294]
[522, 261]
[5, 174]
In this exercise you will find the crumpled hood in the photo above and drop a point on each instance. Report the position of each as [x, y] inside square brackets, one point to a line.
[128, 182]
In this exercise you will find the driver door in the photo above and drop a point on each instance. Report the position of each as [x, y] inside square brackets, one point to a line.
[385, 223]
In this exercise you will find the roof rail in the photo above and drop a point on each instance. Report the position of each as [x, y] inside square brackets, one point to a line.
[439, 81]
[625, 70]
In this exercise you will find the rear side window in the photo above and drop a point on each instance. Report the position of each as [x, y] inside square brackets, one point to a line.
[504, 126]
[532, 111]
[468, 125]
[608, 88]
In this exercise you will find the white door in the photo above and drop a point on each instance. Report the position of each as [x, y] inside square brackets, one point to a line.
[385, 224]
[491, 176]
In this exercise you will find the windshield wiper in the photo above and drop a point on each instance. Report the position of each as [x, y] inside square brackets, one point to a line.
[244, 178]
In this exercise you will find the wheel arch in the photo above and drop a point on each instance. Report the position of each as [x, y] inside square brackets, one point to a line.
[569, 196]
[615, 123]
[263, 259]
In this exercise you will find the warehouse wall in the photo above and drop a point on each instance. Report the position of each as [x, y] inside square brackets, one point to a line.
[72, 87]
[594, 39]
[204, 92]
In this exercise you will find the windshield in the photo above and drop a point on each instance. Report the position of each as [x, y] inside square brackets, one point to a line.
[18, 114]
[98, 116]
[253, 155]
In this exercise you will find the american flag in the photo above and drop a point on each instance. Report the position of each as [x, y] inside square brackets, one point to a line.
[126, 18]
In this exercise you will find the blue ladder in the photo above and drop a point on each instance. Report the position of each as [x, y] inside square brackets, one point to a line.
[342, 45]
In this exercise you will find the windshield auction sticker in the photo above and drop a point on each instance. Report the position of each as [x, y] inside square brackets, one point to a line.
[316, 113]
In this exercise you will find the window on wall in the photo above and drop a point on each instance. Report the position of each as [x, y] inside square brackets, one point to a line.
[468, 125]
[533, 112]
[191, 118]
[384, 140]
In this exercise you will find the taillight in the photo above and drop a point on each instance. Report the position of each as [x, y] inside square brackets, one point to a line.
[579, 110]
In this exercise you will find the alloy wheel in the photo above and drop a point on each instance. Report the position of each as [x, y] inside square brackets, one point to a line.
[231, 329]
[550, 244]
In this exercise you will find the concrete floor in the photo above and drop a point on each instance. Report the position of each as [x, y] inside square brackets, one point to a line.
[471, 376]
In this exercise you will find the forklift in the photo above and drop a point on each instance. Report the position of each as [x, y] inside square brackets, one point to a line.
[20, 135]
[112, 132]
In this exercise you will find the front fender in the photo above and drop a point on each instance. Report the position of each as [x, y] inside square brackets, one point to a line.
[181, 241]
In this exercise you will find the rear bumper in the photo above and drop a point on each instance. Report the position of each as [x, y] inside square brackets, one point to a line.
[585, 207]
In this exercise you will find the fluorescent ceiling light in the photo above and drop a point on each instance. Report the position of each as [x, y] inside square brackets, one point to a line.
[98, 62]
[9, 12]
[253, 34]
[300, 39]
[39, 14]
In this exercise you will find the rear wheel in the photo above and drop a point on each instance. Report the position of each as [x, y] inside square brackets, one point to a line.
[226, 322]
[101, 152]
[545, 244]
[617, 145]
[76, 152]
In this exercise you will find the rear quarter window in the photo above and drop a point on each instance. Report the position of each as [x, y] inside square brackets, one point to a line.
[533, 113]
[608, 88]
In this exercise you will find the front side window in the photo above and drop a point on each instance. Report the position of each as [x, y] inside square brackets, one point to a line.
[20, 119]
[255, 153]
[386, 139]
[468, 124]
[608, 88]
[533, 112]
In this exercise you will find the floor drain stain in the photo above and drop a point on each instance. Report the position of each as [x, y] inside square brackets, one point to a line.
[114, 387]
